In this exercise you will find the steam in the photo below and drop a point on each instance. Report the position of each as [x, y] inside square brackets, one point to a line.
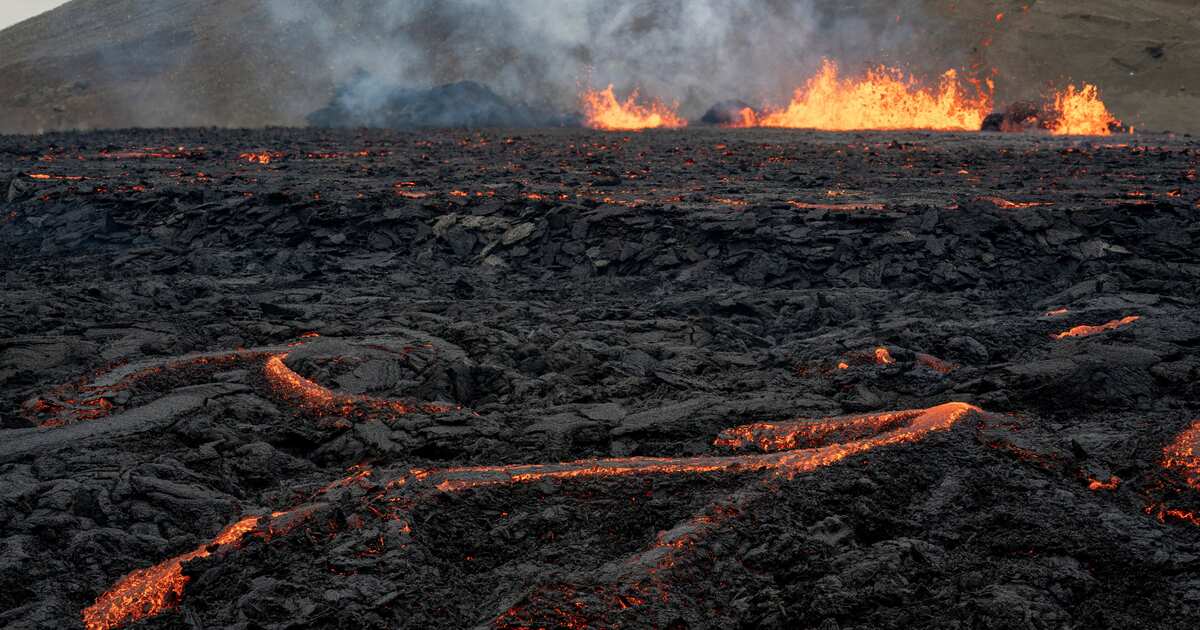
[539, 52]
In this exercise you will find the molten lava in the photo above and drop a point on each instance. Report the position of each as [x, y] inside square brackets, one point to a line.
[148, 592]
[883, 98]
[602, 110]
[1088, 331]
[1079, 111]
[321, 400]
[1181, 455]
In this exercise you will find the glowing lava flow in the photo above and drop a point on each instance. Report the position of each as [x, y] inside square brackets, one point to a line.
[1088, 331]
[1081, 112]
[910, 425]
[602, 110]
[1181, 455]
[883, 98]
[316, 398]
[148, 592]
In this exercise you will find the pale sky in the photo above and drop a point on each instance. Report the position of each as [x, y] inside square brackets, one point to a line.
[13, 11]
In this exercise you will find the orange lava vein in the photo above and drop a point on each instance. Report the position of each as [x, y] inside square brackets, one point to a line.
[916, 424]
[1088, 331]
[317, 398]
[602, 110]
[148, 592]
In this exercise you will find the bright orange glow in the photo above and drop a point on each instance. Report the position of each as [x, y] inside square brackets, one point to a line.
[1111, 484]
[1088, 331]
[48, 176]
[150, 591]
[1181, 455]
[883, 357]
[1081, 112]
[883, 98]
[262, 157]
[147, 592]
[321, 400]
[602, 110]
[909, 426]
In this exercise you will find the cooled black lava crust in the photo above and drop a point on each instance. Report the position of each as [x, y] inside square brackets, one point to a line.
[584, 295]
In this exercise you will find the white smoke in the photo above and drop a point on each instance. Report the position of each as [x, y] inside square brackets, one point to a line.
[694, 52]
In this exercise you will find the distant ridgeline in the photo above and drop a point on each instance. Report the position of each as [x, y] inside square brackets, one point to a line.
[366, 103]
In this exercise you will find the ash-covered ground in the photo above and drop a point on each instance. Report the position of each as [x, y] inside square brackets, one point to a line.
[289, 376]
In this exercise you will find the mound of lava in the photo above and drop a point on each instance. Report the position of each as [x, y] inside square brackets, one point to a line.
[569, 379]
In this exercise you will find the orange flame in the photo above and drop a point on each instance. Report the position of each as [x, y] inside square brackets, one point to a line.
[1088, 331]
[884, 98]
[148, 592]
[602, 110]
[1081, 112]
[883, 357]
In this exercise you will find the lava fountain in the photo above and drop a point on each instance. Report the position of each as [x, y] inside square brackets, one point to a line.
[602, 110]
[883, 98]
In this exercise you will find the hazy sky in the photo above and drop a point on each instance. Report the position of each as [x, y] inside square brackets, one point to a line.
[13, 11]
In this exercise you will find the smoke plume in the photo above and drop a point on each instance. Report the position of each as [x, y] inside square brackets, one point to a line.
[540, 52]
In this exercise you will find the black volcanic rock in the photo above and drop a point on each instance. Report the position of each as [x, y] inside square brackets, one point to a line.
[465, 104]
[726, 112]
[312, 339]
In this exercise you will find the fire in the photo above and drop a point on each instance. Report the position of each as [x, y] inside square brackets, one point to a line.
[1088, 331]
[602, 110]
[147, 592]
[883, 98]
[1081, 112]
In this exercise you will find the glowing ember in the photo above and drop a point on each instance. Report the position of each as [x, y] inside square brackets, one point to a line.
[1081, 112]
[1111, 484]
[49, 176]
[883, 98]
[1058, 312]
[602, 110]
[1181, 454]
[150, 591]
[1088, 331]
[883, 357]
[262, 157]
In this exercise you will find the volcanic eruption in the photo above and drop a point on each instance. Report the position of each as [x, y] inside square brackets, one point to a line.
[674, 314]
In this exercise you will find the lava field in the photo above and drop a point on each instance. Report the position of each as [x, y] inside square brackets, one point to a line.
[570, 379]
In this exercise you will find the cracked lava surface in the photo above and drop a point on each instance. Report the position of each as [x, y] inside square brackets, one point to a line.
[690, 379]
